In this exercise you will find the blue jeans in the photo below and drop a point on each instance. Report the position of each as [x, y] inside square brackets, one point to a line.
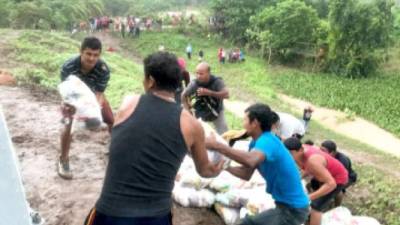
[281, 215]
[97, 218]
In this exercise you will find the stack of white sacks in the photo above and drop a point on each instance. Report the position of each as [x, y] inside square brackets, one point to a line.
[233, 198]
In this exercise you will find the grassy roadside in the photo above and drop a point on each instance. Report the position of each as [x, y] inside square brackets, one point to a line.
[375, 98]
[45, 54]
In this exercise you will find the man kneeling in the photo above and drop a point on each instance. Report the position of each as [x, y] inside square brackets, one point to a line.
[330, 176]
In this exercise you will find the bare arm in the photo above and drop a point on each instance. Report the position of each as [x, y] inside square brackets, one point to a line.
[187, 92]
[223, 94]
[100, 98]
[126, 109]
[248, 159]
[186, 102]
[316, 167]
[194, 137]
[242, 172]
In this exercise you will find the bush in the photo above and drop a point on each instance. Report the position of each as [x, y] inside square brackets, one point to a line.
[285, 38]
[358, 30]
[233, 16]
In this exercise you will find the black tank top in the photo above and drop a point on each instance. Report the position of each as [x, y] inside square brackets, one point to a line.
[146, 152]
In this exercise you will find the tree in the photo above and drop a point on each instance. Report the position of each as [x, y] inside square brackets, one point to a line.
[29, 15]
[60, 14]
[289, 27]
[321, 6]
[117, 7]
[233, 16]
[358, 30]
[5, 7]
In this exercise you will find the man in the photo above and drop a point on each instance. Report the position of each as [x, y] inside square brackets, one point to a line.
[329, 147]
[209, 92]
[189, 51]
[330, 174]
[288, 126]
[307, 116]
[95, 73]
[273, 161]
[149, 141]
[184, 80]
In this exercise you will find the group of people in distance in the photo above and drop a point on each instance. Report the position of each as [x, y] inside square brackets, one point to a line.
[152, 132]
[232, 56]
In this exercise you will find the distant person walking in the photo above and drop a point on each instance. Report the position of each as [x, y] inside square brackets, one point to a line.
[201, 55]
[221, 55]
[189, 51]
[307, 116]
[123, 28]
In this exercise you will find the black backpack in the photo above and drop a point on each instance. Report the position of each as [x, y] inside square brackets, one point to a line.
[205, 107]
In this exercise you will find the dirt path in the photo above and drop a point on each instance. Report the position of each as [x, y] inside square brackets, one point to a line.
[34, 127]
[358, 129]
[331, 118]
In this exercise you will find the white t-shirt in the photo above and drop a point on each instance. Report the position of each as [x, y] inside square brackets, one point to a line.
[290, 125]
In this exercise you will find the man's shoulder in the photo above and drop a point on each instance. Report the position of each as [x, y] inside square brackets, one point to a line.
[342, 157]
[266, 139]
[102, 67]
[216, 81]
[71, 63]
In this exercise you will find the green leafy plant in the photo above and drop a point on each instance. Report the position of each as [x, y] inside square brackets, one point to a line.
[285, 30]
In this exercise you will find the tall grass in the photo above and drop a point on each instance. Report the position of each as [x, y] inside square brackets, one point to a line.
[46, 53]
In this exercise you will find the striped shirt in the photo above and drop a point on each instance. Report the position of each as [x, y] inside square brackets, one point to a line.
[97, 79]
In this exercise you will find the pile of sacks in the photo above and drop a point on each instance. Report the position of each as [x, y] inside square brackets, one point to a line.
[233, 198]
[342, 216]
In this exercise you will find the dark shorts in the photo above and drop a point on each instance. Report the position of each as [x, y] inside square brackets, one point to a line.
[97, 218]
[281, 215]
[322, 203]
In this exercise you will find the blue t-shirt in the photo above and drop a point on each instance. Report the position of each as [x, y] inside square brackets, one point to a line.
[280, 171]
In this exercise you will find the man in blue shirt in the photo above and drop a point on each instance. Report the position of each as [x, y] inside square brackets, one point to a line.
[274, 162]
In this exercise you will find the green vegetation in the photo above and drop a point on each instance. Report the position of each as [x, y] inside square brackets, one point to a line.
[46, 14]
[44, 55]
[284, 38]
[373, 98]
[62, 15]
[146, 7]
[232, 16]
[359, 32]
[382, 195]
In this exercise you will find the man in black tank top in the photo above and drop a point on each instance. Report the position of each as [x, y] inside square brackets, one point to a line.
[150, 138]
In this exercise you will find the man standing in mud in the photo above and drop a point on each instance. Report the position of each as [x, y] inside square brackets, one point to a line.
[95, 73]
